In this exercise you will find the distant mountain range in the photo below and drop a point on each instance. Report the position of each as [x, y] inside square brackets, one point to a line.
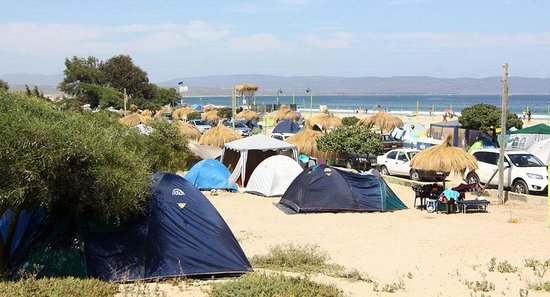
[270, 84]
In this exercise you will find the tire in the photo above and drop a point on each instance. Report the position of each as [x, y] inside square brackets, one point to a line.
[520, 186]
[415, 175]
[384, 170]
[472, 178]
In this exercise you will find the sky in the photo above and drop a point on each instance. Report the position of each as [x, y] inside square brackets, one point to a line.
[350, 38]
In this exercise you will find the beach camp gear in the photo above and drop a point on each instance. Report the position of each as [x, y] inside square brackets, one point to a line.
[287, 126]
[523, 139]
[210, 174]
[480, 144]
[273, 176]
[242, 156]
[180, 235]
[325, 189]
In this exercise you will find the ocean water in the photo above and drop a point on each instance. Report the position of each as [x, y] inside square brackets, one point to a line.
[398, 104]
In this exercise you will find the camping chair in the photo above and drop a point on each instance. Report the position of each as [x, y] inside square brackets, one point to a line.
[477, 204]
[424, 192]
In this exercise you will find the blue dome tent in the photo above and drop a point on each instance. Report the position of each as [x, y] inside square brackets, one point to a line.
[286, 126]
[210, 174]
[325, 189]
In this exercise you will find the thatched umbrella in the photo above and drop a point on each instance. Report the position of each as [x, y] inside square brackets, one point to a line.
[444, 157]
[243, 89]
[147, 113]
[162, 111]
[133, 108]
[183, 111]
[247, 115]
[189, 130]
[325, 121]
[306, 142]
[209, 107]
[382, 120]
[133, 119]
[284, 113]
[218, 136]
[211, 116]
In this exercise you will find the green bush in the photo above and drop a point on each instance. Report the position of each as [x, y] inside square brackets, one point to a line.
[57, 287]
[350, 121]
[483, 116]
[350, 139]
[264, 285]
[194, 116]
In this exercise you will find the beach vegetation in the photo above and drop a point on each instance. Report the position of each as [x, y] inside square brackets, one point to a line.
[350, 121]
[261, 284]
[194, 116]
[69, 286]
[480, 286]
[351, 139]
[225, 113]
[4, 85]
[77, 164]
[502, 267]
[540, 286]
[485, 116]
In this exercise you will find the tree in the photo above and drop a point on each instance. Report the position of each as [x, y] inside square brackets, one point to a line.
[77, 164]
[4, 85]
[121, 73]
[78, 71]
[225, 112]
[351, 139]
[194, 116]
[350, 121]
[483, 116]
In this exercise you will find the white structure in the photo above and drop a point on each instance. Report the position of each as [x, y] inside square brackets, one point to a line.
[273, 176]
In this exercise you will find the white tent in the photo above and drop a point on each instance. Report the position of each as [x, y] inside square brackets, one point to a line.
[541, 150]
[204, 151]
[273, 176]
[242, 156]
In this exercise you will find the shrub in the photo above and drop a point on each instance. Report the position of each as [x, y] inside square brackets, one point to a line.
[273, 285]
[194, 116]
[46, 287]
[350, 139]
[350, 121]
[502, 267]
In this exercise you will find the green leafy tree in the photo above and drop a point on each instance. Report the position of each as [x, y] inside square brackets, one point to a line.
[350, 121]
[164, 96]
[350, 139]
[483, 116]
[28, 91]
[80, 71]
[121, 73]
[4, 85]
[194, 115]
[225, 112]
[77, 164]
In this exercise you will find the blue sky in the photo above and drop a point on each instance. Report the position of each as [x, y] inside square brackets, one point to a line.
[170, 39]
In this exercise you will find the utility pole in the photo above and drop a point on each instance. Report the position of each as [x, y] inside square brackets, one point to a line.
[233, 107]
[503, 118]
[125, 102]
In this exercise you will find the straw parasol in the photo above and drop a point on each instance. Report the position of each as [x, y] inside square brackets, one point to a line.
[211, 116]
[284, 113]
[382, 120]
[190, 131]
[183, 111]
[444, 157]
[163, 111]
[324, 120]
[209, 107]
[133, 119]
[246, 88]
[218, 136]
[306, 142]
[247, 115]
[147, 113]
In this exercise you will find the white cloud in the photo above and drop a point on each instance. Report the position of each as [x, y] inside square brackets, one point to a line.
[340, 40]
[258, 43]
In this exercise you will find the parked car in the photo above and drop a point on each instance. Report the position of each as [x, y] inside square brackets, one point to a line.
[361, 162]
[240, 127]
[202, 125]
[523, 172]
[281, 136]
[390, 142]
[397, 162]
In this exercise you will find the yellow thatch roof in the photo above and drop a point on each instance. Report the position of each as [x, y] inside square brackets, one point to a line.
[208, 107]
[183, 111]
[218, 136]
[324, 120]
[246, 88]
[306, 142]
[189, 130]
[444, 157]
[133, 119]
[147, 113]
[382, 120]
[247, 115]
[163, 111]
[211, 115]
[133, 108]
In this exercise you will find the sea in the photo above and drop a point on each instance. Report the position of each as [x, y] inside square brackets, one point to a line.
[539, 105]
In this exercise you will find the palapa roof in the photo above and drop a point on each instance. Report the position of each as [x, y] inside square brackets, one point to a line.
[246, 88]
[183, 111]
[208, 107]
[324, 120]
[162, 111]
[382, 120]
[444, 157]
[306, 142]
[190, 131]
[247, 115]
[147, 113]
[133, 119]
[284, 113]
[211, 115]
[218, 136]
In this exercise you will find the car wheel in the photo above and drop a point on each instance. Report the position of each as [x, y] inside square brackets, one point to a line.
[472, 178]
[520, 186]
[384, 170]
[415, 175]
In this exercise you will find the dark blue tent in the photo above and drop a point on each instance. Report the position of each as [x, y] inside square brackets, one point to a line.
[181, 234]
[286, 126]
[322, 188]
[210, 174]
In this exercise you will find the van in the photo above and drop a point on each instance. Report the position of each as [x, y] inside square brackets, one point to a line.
[523, 172]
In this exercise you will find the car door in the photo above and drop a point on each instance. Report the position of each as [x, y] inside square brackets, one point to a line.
[483, 171]
[401, 164]
[391, 162]
[491, 166]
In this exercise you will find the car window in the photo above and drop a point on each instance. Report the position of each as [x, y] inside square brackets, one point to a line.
[392, 155]
[411, 155]
[402, 157]
[480, 156]
[491, 158]
[199, 123]
[525, 160]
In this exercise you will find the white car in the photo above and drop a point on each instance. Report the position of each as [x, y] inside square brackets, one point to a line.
[202, 125]
[281, 136]
[240, 127]
[523, 172]
[397, 162]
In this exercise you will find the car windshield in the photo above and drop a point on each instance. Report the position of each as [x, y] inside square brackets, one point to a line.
[525, 160]
[200, 122]
[237, 125]
[411, 155]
